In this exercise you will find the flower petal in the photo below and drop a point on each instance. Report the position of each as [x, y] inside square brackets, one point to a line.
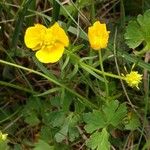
[98, 35]
[50, 54]
[133, 79]
[60, 34]
[34, 36]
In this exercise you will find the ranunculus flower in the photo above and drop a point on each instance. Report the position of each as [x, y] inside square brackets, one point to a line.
[49, 43]
[3, 137]
[133, 79]
[98, 35]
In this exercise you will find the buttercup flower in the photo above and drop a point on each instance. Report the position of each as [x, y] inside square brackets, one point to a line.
[3, 137]
[133, 79]
[49, 43]
[98, 35]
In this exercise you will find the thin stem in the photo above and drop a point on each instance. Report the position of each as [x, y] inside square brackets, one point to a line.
[103, 73]
[145, 114]
[122, 13]
[92, 11]
[83, 65]
[100, 72]
[82, 99]
[17, 87]
[118, 70]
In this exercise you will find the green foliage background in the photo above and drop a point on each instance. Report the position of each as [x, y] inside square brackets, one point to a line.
[65, 106]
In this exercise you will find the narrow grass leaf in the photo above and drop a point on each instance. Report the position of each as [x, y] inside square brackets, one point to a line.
[7, 84]
[55, 12]
[49, 92]
[19, 22]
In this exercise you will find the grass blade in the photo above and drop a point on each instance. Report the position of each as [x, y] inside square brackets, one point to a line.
[19, 22]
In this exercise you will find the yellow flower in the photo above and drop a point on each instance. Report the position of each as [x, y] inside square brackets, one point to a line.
[48, 42]
[3, 137]
[98, 35]
[133, 79]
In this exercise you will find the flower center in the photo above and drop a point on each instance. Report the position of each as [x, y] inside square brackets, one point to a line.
[49, 39]
[133, 79]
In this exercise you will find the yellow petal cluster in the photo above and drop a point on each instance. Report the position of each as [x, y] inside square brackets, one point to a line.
[133, 79]
[98, 36]
[49, 43]
[3, 137]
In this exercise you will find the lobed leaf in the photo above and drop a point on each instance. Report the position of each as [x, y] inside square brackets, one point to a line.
[68, 128]
[99, 140]
[138, 31]
[114, 112]
[42, 145]
[133, 122]
[133, 39]
[94, 120]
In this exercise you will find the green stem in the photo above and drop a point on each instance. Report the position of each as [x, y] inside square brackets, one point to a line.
[103, 73]
[106, 73]
[17, 87]
[80, 97]
[83, 65]
[145, 114]
[9, 117]
[122, 13]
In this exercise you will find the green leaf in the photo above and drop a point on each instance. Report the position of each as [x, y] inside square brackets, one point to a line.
[79, 107]
[58, 119]
[41, 145]
[133, 122]
[99, 140]
[46, 133]
[73, 133]
[62, 146]
[94, 120]
[66, 100]
[33, 104]
[53, 118]
[144, 22]
[19, 21]
[138, 32]
[92, 72]
[62, 134]
[146, 145]
[111, 114]
[84, 3]
[114, 112]
[4, 145]
[133, 39]
[55, 12]
[32, 119]
[68, 128]
[70, 8]
[31, 111]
